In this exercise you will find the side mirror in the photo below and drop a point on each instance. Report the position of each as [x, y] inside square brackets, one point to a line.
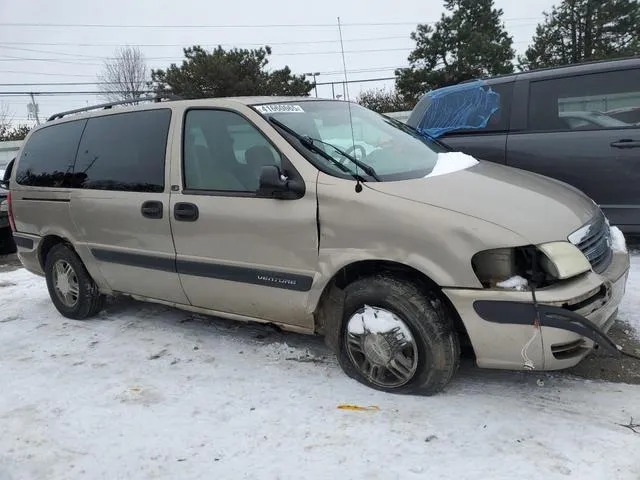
[274, 184]
[4, 181]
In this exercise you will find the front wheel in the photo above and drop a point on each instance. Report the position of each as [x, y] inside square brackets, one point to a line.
[396, 337]
[71, 288]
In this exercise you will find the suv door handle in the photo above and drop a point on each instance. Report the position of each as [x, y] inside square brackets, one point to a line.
[626, 143]
[185, 212]
[151, 209]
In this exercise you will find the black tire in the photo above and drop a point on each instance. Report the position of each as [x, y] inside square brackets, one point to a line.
[7, 245]
[89, 299]
[428, 318]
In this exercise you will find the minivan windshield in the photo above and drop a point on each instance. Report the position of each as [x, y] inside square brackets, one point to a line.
[393, 150]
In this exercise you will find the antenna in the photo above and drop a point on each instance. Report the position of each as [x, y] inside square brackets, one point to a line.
[346, 84]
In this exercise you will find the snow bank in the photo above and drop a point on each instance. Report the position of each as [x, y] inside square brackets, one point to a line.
[449, 162]
[145, 391]
[630, 307]
[516, 283]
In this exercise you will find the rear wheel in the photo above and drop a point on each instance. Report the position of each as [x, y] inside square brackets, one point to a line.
[397, 337]
[72, 290]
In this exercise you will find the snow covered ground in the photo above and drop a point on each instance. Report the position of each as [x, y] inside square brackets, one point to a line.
[149, 392]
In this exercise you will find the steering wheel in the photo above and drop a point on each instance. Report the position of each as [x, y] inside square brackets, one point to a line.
[351, 150]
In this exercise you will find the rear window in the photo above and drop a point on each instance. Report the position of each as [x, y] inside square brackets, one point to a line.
[47, 158]
[585, 102]
[124, 152]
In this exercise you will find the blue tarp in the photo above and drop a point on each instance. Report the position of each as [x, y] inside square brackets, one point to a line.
[459, 107]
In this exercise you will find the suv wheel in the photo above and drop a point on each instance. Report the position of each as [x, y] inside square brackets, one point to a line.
[397, 338]
[72, 290]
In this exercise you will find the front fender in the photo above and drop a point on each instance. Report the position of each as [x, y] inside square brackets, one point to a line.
[370, 225]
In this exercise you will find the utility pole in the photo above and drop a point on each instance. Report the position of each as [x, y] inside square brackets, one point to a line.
[34, 108]
[314, 75]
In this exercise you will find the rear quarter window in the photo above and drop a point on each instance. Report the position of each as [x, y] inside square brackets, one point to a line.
[48, 156]
[584, 102]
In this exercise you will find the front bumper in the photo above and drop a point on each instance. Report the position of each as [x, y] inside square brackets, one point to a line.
[501, 323]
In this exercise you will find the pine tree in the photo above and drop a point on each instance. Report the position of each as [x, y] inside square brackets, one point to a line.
[469, 41]
[227, 73]
[583, 30]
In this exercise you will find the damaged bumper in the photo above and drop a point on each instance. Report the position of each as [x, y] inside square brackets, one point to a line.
[574, 316]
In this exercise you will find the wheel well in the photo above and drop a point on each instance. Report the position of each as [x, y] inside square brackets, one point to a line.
[46, 244]
[326, 306]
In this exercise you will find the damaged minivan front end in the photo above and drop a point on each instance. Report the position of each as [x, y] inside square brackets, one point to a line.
[549, 291]
[546, 306]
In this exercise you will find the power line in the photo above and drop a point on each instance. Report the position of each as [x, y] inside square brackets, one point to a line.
[281, 25]
[87, 92]
[22, 72]
[55, 93]
[182, 45]
[7, 58]
[77, 84]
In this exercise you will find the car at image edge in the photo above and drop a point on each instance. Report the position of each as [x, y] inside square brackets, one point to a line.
[535, 127]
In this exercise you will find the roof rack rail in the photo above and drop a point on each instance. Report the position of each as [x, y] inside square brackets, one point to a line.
[106, 106]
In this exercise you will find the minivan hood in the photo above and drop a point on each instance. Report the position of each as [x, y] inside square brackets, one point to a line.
[535, 207]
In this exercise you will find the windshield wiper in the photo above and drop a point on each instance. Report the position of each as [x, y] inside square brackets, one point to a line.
[414, 131]
[368, 169]
[308, 142]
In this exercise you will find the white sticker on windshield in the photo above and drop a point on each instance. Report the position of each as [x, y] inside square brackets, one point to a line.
[284, 108]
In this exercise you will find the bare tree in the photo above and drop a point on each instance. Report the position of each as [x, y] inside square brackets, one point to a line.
[125, 75]
[8, 131]
[5, 116]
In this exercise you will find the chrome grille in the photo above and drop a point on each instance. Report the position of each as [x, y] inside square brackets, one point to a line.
[595, 242]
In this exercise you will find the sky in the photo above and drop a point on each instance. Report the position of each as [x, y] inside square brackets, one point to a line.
[48, 42]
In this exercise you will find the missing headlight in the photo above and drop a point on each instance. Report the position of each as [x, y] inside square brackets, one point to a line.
[496, 266]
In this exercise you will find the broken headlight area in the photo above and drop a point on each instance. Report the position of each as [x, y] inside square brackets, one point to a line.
[517, 268]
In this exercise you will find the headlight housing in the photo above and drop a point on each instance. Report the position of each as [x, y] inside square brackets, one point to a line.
[544, 265]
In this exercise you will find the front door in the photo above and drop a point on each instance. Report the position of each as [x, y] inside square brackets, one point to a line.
[238, 253]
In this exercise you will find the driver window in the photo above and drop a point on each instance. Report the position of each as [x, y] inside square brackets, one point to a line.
[224, 152]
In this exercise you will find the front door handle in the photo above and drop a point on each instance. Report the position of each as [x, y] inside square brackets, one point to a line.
[626, 143]
[151, 209]
[185, 212]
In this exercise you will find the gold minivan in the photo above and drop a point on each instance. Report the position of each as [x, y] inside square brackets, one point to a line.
[322, 217]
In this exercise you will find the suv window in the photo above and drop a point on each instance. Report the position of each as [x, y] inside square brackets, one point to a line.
[48, 156]
[125, 152]
[499, 121]
[585, 102]
[222, 151]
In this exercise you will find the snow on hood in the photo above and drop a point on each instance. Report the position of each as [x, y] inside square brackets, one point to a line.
[449, 162]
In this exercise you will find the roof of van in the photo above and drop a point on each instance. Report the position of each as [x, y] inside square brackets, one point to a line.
[565, 70]
[150, 104]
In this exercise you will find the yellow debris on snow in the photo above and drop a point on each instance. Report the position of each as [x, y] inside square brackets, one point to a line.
[357, 408]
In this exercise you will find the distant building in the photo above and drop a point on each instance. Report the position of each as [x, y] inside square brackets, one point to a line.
[8, 151]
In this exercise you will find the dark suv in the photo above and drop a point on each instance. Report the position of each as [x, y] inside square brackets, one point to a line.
[573, 123]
